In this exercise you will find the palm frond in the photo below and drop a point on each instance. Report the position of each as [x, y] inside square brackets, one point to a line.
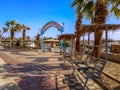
[5, 29]
[72, 4]
[78, 9]
[116, 12]
[7, 24]
[89, 14]
[25, 27]
[88, 6]
[13, 22]
[77, 3]
[28, 28]
[115, 5]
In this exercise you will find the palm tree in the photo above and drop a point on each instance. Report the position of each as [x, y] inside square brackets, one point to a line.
[2, 32]
[100, 17]
[4, 29]
[24, 33]
[101, 12]
[13, 26]
[81, 8]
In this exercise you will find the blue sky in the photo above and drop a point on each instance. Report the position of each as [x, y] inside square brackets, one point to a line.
[36, 13]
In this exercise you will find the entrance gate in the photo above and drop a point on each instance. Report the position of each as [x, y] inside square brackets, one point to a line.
[60, 28]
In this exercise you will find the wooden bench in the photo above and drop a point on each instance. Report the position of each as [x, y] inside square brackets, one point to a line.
[70, 56]
[85, 61]
[73, 58]
[91, 72]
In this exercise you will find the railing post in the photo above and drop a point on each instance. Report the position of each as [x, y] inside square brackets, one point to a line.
[106, 43]
[42, 43]
[88, 43]
[61, 42]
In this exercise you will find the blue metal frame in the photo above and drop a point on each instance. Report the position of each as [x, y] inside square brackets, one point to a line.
[42, 41]
[61, 42]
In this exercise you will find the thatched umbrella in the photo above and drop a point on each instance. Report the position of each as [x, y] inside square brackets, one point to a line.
[96, 27]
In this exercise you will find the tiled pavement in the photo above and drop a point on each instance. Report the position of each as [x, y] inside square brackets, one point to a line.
[6, 83]
[38, 71]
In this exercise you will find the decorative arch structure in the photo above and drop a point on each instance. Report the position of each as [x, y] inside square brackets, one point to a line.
[55, 24]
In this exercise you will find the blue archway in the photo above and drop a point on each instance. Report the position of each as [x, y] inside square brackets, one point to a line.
[55, 24]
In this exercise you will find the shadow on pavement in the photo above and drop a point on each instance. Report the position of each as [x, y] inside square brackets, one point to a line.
[72, 82]
[9, 86]
[36, 83]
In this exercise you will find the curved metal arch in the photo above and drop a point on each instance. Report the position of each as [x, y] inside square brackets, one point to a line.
[52, 24]
[60, 28]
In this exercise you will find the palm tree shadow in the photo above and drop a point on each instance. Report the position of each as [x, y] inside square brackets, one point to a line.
[40, 59]
[30, 81]
[34, 68]
[72, 82]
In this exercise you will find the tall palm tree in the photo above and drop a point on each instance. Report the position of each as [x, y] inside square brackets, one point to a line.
[24, 33]
[11, 26]
[4, 29]
[101, 13]
[2, 32]
[100, 17]
[81, 8]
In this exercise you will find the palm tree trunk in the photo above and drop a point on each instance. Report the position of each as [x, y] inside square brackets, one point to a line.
[1, 34]
[12, 38]
[97, 42]
[78, 27]
[24, 37]
[101, 13]
[77, 44]
[38, 41]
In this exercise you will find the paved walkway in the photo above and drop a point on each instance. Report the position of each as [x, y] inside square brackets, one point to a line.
[6, 83]
[32, 70]
[35, 71]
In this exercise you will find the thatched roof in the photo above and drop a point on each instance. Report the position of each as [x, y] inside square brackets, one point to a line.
[112, 43]
[51, 40]
[66, 36]
[93, 28]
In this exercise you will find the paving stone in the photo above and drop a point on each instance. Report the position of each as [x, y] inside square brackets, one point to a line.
[51, 70]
